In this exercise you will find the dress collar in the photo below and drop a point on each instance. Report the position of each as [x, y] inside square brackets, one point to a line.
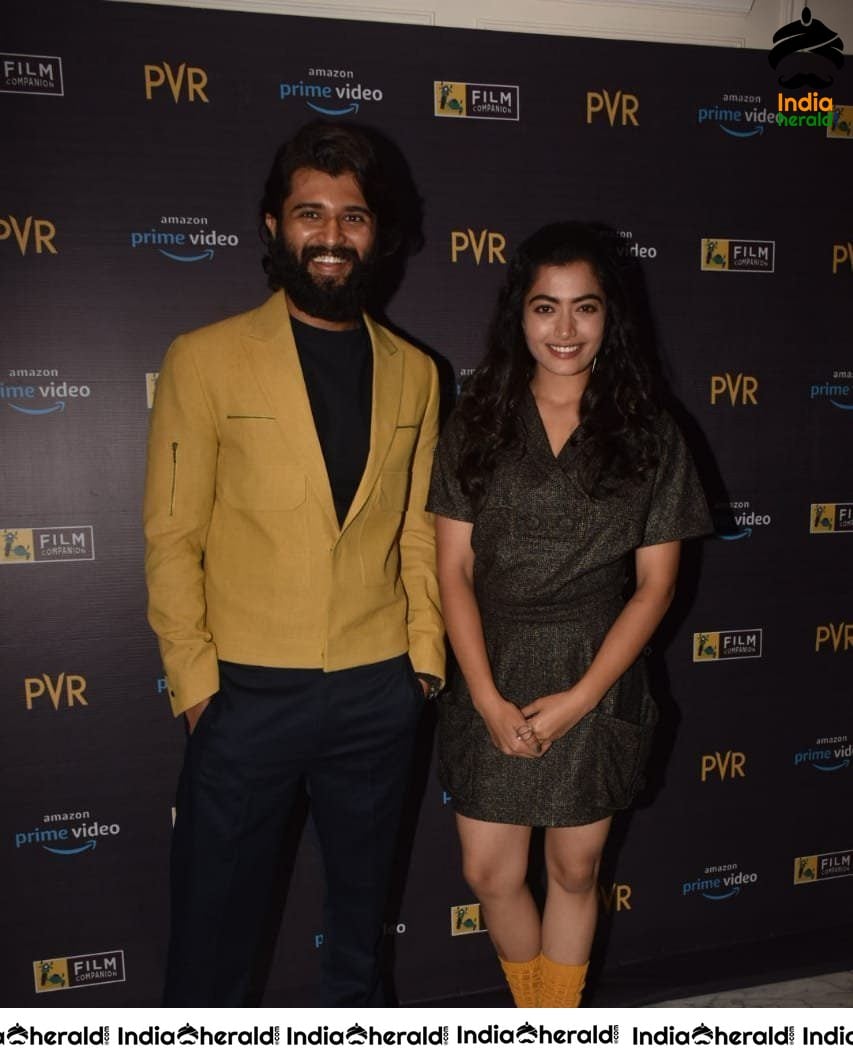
[536, 437]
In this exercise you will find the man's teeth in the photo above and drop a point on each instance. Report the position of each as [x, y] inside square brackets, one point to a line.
[327, 259]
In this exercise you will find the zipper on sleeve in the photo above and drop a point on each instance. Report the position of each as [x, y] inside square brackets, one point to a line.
[174, 478]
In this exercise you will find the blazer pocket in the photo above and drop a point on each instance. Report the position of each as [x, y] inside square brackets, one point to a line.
[399, 456]
[264, 487]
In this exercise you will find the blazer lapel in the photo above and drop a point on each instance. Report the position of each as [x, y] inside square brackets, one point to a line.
[273, 355]
[387, 390]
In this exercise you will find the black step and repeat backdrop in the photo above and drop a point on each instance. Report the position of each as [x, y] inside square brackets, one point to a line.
[135, 142]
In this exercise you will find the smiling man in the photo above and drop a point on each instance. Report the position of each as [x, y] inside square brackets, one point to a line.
[291, 577]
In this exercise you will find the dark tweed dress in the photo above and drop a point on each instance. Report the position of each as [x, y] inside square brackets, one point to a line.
[550, 568]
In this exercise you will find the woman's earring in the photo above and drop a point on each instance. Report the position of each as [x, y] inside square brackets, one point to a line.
[594, 360]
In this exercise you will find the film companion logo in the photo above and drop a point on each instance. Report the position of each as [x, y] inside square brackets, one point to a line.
[738, 255]
[86, 969]
[836, 518]
[722, 645]
[841, 123]
[33, 75]
[459, 99]
[47, 544]
[815, 867]
[466, 919]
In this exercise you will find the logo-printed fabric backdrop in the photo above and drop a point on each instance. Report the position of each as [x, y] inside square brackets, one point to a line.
[137, 142]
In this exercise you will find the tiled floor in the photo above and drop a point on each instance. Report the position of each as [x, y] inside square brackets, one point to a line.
[823, 991]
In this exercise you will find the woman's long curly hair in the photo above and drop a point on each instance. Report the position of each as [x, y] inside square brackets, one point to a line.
[621, 402]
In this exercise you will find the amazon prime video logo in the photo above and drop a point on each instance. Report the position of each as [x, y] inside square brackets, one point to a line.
[826, 754]
[737, 520]
[719, 882]
[21, 392]
[741, 115]
[328, 91]
[68, 833]
[184, 238]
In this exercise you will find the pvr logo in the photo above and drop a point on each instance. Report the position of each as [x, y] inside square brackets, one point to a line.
[67, 689]
[622, 104]
[842, 254]
[725, 764]
[34, 233]
[740, 389]
[484, 242]
[617, 899]
[190, 78]
[840, 637]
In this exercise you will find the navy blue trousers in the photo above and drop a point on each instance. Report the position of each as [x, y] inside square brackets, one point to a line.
[349, 737]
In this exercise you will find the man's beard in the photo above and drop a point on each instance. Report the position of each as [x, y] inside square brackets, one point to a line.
[326, 299]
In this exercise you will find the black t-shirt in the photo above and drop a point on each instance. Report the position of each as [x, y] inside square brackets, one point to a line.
[338, 370]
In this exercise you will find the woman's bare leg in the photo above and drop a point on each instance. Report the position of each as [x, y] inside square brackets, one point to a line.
[572, 860]
[494, 863]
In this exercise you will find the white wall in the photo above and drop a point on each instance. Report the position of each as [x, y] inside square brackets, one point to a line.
[723, 23]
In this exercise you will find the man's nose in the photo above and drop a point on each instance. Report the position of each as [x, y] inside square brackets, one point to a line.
[331, 232]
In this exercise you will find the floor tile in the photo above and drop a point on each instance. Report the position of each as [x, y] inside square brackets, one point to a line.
[823, 991]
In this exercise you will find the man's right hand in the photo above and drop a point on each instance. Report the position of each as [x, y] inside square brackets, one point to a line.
[192, 714]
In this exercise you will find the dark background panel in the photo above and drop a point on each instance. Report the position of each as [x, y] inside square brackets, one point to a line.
[103, 168]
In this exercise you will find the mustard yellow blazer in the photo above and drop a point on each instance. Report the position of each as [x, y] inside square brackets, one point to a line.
[245, 560]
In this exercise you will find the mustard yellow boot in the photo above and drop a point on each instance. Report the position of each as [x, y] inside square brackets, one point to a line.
[562, 984]
[525, 981]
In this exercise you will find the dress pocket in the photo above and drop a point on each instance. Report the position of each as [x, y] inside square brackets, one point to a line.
[617, 756]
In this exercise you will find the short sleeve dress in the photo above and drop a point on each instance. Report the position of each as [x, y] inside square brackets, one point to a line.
[550, 569]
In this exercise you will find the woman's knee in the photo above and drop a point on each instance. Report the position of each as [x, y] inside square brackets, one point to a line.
[575, 875]
[493, 879]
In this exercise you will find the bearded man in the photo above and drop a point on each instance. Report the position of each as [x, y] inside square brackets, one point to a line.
[291, 575]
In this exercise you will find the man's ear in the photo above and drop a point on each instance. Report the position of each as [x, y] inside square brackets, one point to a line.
[272, 224]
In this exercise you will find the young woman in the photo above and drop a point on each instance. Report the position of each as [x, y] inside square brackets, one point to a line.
[556, 474]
